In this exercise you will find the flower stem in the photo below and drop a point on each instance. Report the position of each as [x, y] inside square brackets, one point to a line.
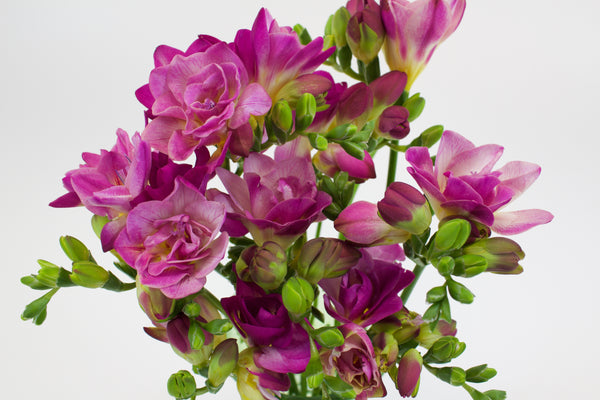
[391, 177]
[418, 270]
[212, 299]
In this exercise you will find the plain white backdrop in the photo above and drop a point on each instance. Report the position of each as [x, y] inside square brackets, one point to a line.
[518, 73]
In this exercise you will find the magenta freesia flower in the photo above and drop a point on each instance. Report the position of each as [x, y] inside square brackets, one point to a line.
[282, 346]
[354, 361]
[174, 243]
[108, 183]
[335, 159]
[369, 291]
[276, 200]
[275, 59]
[409, 372]
[462, 183]
[415, 29]
[199, 98]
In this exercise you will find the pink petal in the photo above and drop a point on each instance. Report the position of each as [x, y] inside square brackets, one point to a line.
[513, 222]
[519, 175]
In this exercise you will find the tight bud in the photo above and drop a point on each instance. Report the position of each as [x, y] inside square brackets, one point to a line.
[181, 385]
[298, 295]
[502, 254]
[306, 108]
[393, 123]
[88, 274]
[329, 337]
[222, 362]
[365, 32]
[266, 265]
[339, 25]
[404, 207]
[325, 258]
[444, 349]
[452, 235]
[409, 373]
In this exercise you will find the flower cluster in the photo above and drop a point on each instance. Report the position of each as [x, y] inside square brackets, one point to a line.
[310, 316]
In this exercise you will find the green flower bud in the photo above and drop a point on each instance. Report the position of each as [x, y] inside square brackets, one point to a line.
[430, 333]
[444, 349]
[196, 335]
[502, 255]
[223, 361]
[415, 105]
[445, 266]
[431, 135]
[339, 24]
[75, 249]
[281, 121]
[88, 274]
[298, 296]
[459, 292]
[452, 375]
[469, 265]
[306, 108]
[325, 258]
[181, 385]
[329, 337]
[218, 326]
[317, 141]
[436, 294]
[452, 235]
[480, 374]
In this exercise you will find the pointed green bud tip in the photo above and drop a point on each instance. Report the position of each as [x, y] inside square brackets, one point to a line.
[502, 255]
[432, 135]
[281, 116]
[436, 294]
[298, 296]
[192, 309]
[445, 266]
[339, 25]
[75, 249]
[317, 141]
[452, 234]
[306, 108]
[459, 292]
[223, 362]
[89, 275]
[415, 105]
[480, 374]
[329, 337]
[452, 375]
[181, 385]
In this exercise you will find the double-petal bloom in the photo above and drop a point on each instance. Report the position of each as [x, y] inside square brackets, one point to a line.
[414, 30]
[201, 97]
[463, 183]
[174, 243]
[276, 200]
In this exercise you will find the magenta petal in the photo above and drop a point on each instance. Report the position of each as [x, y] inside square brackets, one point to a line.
[513, 222]
[360, 223]
[253, 101]
[388, 88]
[290, 359]
[519, 175]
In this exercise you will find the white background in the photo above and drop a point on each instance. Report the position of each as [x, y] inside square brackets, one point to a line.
[519, 73]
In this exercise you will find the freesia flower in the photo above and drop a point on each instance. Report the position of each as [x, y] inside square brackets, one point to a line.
[409, 372]
[201, 97]
[368, 292]
[174, 243]
[276, 200]
[462, 183]
[414, 30]
[282, 345]
[365, 32]
[108, 183]
[335, 159]
[255, 383]
[275, 59]
[354, 361]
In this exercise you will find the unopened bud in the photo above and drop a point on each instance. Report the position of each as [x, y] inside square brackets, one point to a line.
[329, 337]
[452, 235]
[181, 385]
[365, 32]
[469, 265]
[459, 292]
[281, 120]
[501, 254]
[429, 334]
[223, 361]
[404, 207]
[393, 123]
[415, 105]
[409, 373]
[268, 266]
[306, 108]
[325, 258]
[75, 249]
[298, 295]
[444, 349]
[445, 265]
[88, 274]
[339, 24]
[480, 374]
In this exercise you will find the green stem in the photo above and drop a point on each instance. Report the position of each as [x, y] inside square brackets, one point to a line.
[391, 177]
[212, 299]
[348, 71]
[418, 270]
[319, 226]
[293, 384]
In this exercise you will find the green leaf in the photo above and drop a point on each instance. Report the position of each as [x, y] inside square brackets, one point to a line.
[340, 387]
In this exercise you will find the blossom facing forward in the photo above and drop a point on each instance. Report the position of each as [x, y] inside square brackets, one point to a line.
[463, 183]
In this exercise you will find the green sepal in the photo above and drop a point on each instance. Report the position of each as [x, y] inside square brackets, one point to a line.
[495, 394]
[452, 375]
[36, 310]
[126, 269]
[432, 313]
[98, 223]
[89, 275]
[344, 55]
[327, 336]
[340, 132]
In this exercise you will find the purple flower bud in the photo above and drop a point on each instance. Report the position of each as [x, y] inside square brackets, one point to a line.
[393, 123]
[409, 373]
[365, 32]
[404, 207]
[335, 159]
[502, 254]
[325, 258]
[178, 334]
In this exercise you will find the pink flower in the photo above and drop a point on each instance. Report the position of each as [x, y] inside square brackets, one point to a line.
[409, 372]
[335, 159]
[462, 183]
[174, 243]
[108, 183]
[199, 98]
[415, 29]
[354, 361]
[275, 59]
[276, 200]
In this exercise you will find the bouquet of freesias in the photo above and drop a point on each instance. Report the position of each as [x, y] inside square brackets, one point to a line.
[249, 149]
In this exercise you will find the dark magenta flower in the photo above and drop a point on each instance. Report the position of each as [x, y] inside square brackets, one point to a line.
[462, 183]
[174, 243]
[201, 97]
[276, 200]
[108, 183]
[354, 361]
[281, 345]
[404, 207]
[368, 292]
